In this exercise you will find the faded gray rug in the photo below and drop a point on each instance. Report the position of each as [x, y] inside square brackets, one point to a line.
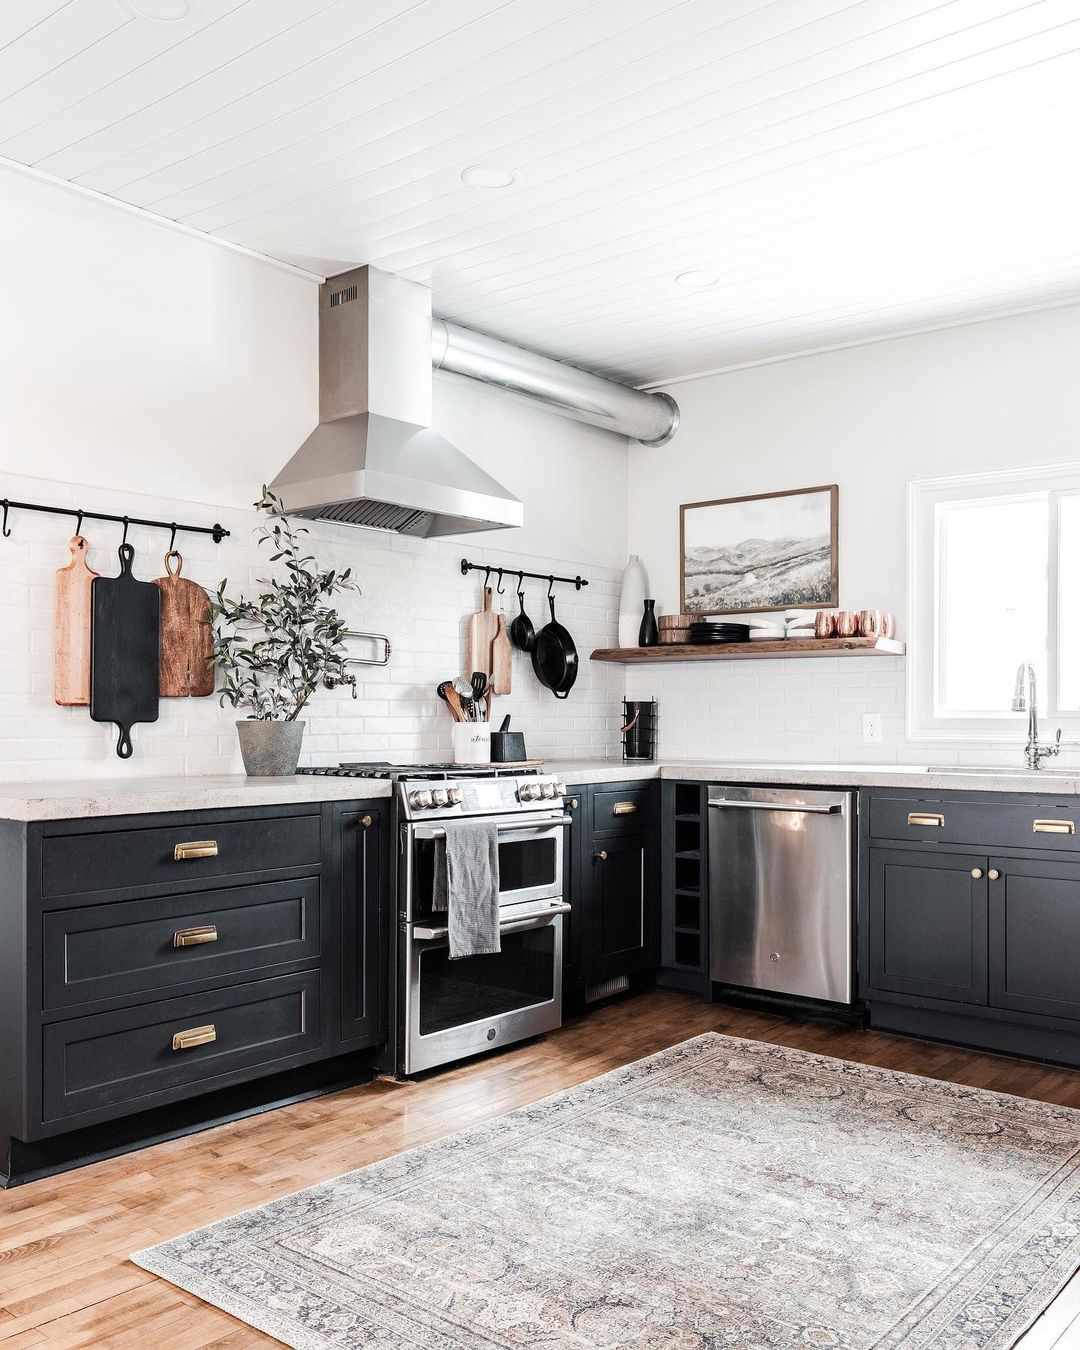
[722, 1195]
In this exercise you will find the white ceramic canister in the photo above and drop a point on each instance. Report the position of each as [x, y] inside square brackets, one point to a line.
[471, 742]
[635, 587]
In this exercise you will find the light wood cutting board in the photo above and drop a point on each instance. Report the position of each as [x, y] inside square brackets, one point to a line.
[187, 642]
[502, 660]
[480, 635]
[71, 663]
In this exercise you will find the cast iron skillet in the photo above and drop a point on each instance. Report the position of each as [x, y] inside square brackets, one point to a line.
[522, 633]
[554, 656]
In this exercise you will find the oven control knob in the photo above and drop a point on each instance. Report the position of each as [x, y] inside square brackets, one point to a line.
[560, 789]
[420, 799]
[547, 790]
[455, 795]
[529, 792]
[441, 797]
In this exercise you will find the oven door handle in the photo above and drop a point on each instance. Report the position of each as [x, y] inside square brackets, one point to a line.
[511, 926]
[517, 826]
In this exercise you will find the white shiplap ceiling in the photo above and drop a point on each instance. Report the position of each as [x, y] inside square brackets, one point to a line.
[841, 170]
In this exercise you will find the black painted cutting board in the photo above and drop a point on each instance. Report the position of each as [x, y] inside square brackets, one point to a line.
[125, 637]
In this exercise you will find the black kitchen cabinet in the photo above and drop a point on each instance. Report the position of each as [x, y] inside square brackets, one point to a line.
[969, 919]
[616, 893]
[1034, 936]
[928, 930]
[150, 960]
[362, 838]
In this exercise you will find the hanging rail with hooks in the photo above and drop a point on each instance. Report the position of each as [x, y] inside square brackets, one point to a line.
[500, 572]
[216, 531]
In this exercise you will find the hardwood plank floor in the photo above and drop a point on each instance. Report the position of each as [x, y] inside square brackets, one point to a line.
[65, 1280]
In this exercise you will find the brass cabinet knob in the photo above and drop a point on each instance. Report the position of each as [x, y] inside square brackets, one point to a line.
[994, 874]
[977, 872]
[601, 856]
[572, 803]
[367, 822]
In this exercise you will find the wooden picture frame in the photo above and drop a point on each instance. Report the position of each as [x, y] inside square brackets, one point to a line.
[723, 575]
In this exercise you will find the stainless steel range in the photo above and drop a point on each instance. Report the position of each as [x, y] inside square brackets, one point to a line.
[447, 1010]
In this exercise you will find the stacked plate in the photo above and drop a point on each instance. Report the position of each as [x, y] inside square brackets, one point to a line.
[705, 632]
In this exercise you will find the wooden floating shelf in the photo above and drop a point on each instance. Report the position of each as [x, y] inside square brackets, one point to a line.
[784, 648]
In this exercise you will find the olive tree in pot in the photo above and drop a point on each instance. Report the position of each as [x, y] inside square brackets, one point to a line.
[276, 648]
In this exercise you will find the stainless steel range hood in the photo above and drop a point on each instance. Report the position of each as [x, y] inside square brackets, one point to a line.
[374, 459]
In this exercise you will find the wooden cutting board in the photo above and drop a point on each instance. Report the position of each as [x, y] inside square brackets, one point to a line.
[502, 659]
[124, 645]
[71, 655]
[480, 635]
[187, 639]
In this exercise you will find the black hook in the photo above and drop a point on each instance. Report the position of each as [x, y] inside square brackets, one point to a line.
[499, 587]
[521, 585]
[123, 542]
[487, 576]
[172, 538]
[551, 586]
[6, 531]
[577, 583]
[78, 523]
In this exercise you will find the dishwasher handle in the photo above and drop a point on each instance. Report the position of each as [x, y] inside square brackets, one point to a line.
[831, 809]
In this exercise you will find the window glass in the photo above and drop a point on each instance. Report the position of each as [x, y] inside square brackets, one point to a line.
[1068, 624]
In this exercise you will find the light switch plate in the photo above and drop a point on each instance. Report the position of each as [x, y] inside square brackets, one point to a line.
[872, 731]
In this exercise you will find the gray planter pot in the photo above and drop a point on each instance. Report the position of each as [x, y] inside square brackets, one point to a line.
[270, 749]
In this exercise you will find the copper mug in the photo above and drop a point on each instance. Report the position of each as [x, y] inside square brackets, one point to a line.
[847, 623]
[869, 623]
[825, 623]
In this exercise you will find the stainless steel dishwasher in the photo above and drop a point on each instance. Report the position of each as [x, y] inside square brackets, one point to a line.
[780, 890]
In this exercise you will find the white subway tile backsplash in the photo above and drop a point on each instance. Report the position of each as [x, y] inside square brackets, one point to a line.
[411, 590]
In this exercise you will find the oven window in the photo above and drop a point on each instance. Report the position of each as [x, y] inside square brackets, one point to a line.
[476, 988]
[524, 864]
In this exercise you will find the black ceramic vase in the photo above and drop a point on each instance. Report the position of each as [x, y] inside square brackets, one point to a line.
[648, 636]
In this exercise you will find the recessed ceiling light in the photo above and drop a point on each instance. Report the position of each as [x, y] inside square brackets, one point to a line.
[161, 11]
[696, 279]
[485, 176]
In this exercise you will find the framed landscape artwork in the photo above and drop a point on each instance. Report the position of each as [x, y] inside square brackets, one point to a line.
[776, 550]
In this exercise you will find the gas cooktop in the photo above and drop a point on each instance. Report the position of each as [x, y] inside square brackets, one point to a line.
[380, 769]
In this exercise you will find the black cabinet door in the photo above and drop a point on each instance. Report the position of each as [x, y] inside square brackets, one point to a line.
[575, 892]
[363, 927]
[928, 924]
[1035, 936]
[623, 921]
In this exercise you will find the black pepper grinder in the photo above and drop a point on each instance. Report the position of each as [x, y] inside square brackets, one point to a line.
[648, 635]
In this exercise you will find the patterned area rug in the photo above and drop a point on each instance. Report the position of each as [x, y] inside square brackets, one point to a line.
[722, 1195]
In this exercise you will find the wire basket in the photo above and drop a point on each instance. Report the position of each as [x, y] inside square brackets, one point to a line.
[639, 729]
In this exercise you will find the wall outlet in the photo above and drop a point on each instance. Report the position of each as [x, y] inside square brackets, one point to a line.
[872, 731]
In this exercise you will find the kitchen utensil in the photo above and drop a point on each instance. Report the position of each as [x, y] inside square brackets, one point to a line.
[449, 696]
[554, 657]
[482, 628]
[479, 686]
[507, 747]
[187, 639]
[502, 660]
[464, 690]
[125, 636]
[825, 623]
[522, 632]
[71, 657]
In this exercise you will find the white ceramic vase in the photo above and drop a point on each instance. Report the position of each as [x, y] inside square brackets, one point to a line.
[635, 587]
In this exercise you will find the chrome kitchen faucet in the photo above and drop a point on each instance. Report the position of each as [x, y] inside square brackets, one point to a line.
[1026, 699]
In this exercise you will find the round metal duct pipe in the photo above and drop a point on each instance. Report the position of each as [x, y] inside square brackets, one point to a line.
[651, 419]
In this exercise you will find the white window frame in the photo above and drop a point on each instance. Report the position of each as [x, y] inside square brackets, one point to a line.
[924, 599]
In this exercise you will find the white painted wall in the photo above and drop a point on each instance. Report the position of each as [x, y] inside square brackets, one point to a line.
[147, 372]
[992, 395]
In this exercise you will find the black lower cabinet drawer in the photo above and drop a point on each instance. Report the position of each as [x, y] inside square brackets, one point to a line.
[102, 952]
[135, 1056]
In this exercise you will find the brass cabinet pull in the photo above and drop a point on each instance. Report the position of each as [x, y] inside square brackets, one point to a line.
[367, 822]
[601, 856]
[977, 872]
[925, 818]
[624, 808]
[188, 1040]
[196, 848]
[994, 874]
[195, 937]
[1053, 826]
[573, 803]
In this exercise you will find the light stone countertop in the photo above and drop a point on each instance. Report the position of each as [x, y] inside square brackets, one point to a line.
[79, 799]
